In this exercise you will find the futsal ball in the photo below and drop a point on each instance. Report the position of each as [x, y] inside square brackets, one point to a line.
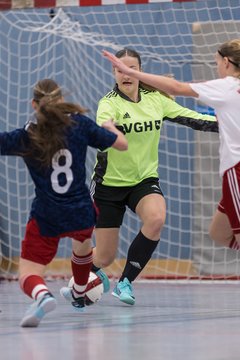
[94, 289]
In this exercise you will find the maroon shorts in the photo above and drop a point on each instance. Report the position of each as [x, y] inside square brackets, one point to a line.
[42, 249]
[230, 202]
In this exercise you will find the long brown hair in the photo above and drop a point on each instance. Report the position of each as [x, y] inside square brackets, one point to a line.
[47, 135]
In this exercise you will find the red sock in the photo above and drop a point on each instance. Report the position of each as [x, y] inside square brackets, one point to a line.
[33, 286]
[81, 266]
[234, 244]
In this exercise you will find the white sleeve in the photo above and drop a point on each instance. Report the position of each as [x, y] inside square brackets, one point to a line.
[210, 92]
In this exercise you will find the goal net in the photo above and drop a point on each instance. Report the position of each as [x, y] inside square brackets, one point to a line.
[66, 44]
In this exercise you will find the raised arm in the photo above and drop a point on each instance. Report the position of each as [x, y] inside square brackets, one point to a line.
[163, 83]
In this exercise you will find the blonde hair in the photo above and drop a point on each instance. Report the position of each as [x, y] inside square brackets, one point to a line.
[231, 50]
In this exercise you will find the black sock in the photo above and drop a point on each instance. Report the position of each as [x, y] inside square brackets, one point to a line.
[139, 253]
[95, 268]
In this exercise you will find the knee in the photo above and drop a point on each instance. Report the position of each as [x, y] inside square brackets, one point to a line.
[215, 230]
[215, 235]
[211, 233]
[104, 260]
[219, 237]
[155, 224]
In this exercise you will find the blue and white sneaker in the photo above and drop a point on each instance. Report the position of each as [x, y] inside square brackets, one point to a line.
[124, 292]
[105, 280]
[77, 303]
[66, 292]
[38, 310]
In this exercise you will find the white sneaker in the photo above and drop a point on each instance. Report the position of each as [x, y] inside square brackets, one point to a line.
[77, 303]
[38, 310]
[66, 292]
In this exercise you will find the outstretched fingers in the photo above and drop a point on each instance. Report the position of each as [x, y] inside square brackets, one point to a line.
[116, 62]
[111, 57]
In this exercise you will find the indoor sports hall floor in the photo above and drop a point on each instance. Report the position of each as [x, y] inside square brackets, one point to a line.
[168, 322]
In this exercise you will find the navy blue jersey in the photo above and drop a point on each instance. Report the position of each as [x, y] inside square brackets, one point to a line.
[62, 202]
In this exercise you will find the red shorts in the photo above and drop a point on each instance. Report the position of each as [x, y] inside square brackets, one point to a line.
[42, 249]
[230, 202]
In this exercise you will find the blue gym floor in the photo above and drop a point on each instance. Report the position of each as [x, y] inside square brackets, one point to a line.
[168, 322]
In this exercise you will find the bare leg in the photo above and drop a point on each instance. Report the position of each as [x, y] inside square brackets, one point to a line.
[106, 246]
[152, 211]
[220, 229]
[27, 267]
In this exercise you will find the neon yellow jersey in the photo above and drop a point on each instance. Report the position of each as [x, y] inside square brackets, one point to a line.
[141, 123]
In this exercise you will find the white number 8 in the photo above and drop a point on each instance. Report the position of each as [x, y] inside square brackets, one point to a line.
[61, 169]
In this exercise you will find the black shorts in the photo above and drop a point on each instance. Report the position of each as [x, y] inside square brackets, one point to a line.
[112, 201]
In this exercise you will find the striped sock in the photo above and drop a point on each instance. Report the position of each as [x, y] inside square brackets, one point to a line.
[81, 266]
[34, 286]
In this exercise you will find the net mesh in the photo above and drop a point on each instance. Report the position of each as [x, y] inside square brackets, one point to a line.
[66, 44]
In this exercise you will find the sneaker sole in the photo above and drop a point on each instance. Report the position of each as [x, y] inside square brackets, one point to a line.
[34, 319]
[114, 294]
[126, 300]
[79, 310]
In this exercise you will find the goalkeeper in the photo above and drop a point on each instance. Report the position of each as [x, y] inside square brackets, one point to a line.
[53, 145]
[222, 94]
[130, 179]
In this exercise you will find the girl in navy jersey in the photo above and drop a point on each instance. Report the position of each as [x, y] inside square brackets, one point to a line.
[53, 145]
[223, 95]
[130, 179]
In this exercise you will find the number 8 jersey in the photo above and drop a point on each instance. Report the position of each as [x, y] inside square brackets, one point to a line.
[62, 201]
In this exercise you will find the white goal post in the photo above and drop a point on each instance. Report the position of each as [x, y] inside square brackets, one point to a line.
[66, 44]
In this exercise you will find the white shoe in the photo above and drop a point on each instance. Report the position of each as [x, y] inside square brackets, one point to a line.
[38, 310]
[77, 303]
[66, 292]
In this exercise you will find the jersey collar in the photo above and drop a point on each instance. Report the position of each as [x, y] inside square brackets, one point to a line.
[120, 93]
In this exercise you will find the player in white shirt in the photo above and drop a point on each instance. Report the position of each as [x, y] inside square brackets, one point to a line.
[223, 95]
